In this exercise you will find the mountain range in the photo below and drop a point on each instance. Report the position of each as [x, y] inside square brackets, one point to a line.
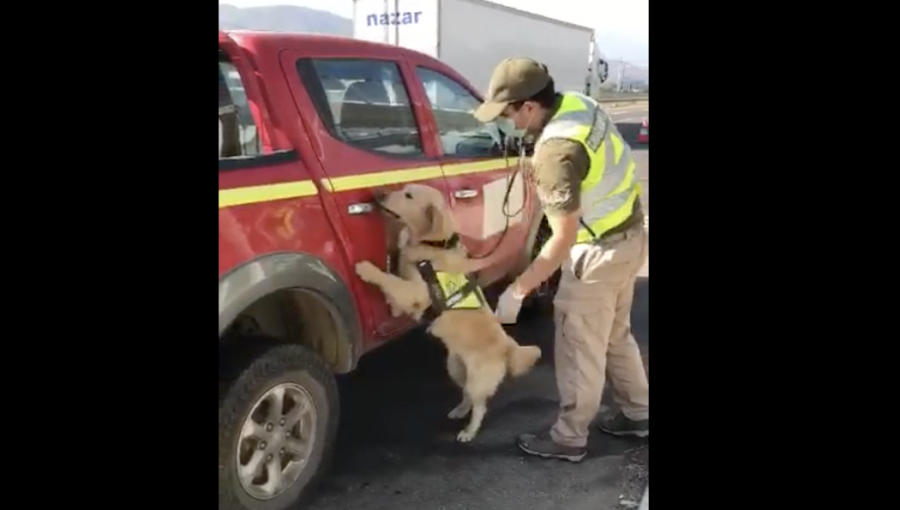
[284, 18]
[294, 18]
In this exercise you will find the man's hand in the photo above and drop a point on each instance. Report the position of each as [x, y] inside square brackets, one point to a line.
[508, 306]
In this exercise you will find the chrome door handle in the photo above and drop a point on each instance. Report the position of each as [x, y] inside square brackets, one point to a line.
[360, 208]
[465, 193]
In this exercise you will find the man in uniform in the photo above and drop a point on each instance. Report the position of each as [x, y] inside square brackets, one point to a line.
[585, 178]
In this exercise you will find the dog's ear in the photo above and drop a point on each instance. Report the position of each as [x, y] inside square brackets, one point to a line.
[434, 224]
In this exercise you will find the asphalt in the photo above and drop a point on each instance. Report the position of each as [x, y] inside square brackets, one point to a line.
[396, 448]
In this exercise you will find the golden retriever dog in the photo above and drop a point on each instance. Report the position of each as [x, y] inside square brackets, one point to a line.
[480, 353]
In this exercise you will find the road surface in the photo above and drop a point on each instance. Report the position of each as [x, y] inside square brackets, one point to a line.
[397, 450]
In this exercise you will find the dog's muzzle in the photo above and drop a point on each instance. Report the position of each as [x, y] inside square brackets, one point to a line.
[379, 198]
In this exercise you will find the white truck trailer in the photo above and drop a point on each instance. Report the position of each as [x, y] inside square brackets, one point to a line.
[472, 36]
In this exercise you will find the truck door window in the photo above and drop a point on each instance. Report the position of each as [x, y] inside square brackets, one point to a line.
[461, 135]
[238, 135]
[363, 103]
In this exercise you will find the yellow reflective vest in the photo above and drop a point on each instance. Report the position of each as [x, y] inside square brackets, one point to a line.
[455, 291]
[455, 296]
[609, 190]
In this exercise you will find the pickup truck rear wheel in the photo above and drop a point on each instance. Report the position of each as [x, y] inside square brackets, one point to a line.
[277, 421]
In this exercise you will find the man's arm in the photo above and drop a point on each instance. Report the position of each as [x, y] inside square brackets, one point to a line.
[559, 170]
[552, 254]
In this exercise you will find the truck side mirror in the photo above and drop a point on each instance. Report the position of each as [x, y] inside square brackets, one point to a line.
[602, 70]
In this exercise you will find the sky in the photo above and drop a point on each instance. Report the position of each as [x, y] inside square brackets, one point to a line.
[622, 26]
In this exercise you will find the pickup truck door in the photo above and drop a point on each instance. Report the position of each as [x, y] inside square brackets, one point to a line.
[359, 117]
[492, 209]
[268, 200]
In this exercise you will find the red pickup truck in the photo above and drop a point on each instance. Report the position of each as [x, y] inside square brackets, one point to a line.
[309, 125]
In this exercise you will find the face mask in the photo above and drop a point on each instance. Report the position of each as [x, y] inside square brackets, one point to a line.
[504, 131]
[508, 128]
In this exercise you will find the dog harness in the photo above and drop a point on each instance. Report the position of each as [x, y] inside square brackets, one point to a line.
[450, 291]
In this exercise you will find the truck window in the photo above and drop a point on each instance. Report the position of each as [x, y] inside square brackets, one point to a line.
[238, 135]
[461, 135]
[363, 103]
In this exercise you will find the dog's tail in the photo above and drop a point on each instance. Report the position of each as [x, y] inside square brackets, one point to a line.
[520, 358]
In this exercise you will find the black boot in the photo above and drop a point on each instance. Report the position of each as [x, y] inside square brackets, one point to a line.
[621, 425]
[541, 445]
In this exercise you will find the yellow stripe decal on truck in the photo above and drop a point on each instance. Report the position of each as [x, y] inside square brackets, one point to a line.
[477, 167]
[266, 193]
[362, 181]
[296, 189]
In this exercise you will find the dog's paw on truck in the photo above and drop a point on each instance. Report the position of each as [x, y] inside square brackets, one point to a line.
[309, 126]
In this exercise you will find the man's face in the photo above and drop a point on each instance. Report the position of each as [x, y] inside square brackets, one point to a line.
[523, 116]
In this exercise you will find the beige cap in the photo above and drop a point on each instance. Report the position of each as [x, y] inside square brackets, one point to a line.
[514, 79]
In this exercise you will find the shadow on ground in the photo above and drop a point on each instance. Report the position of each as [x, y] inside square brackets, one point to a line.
[397, 448]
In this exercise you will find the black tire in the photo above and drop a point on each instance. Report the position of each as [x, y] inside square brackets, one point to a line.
[247, 373]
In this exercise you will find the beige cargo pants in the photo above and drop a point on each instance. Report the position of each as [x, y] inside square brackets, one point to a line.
[593, 334]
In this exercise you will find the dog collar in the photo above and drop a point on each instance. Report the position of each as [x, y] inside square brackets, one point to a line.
[446, 243]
